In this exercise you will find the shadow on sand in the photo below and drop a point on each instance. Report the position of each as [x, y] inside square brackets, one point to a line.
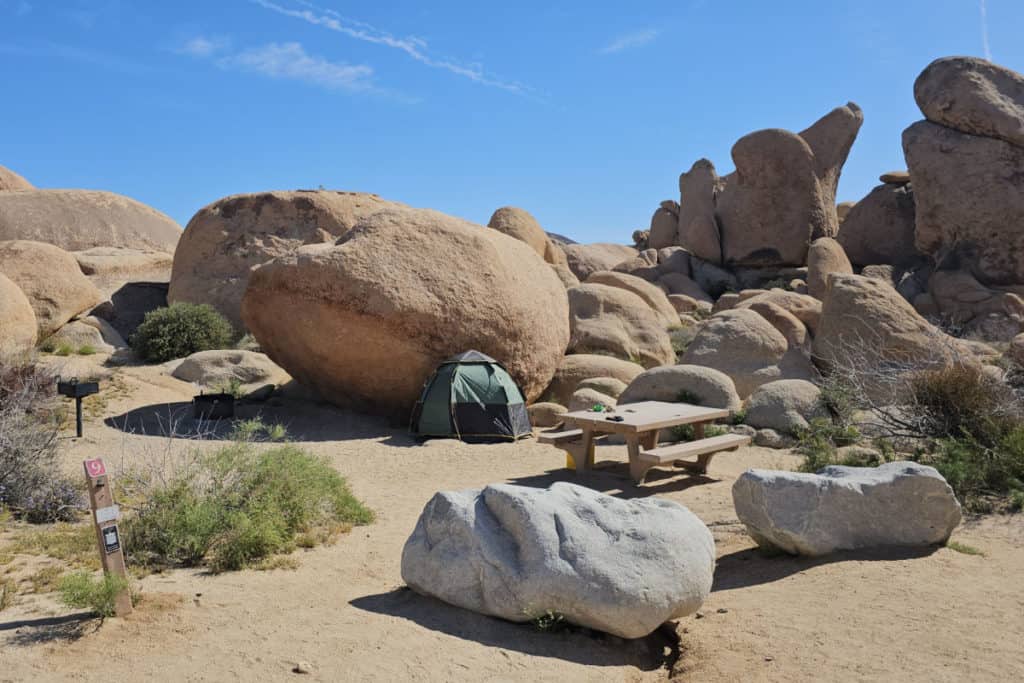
[305, 421]
[573, 644]
[65, 629]
[755, 566]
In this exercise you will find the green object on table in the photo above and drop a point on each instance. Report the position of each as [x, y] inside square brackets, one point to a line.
[598, 408]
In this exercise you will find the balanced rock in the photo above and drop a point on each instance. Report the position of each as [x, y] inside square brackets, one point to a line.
[898, 504]
[652, 295]
[226, 240]
[222, 368]
[82, 219]
[969, 196]
[684, 384]
[786, 406]
[17, 319]
[51, 281]
[824, 257]
[11, 181]
[619, 566]
[366, 336]
[783, 192]
[895, 177]
[973, 96]
[585, 259]
[578, 367]
[664, 228]
[616, 321]
[747, 348]
[880, 228]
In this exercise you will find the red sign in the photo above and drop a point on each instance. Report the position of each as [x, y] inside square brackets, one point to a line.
[95, 468]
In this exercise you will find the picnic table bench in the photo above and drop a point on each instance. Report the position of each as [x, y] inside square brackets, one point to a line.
[640, 424]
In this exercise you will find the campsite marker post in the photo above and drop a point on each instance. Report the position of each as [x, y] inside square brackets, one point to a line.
[104, 518]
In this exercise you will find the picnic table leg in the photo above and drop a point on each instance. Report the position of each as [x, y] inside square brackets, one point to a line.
[649, 439]
[585, 461]
[637, 469]
[701, 466]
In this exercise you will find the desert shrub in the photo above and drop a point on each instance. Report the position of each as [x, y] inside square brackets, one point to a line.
[232, 386]
[819, 443]
[255, 429]
[86, 350]
[686, 432]
[248, 343]
[976, 471]
[238, 505]
[687, 396]
[32, 484]
[181, 330]
[963, 402]
[64, 349]
[81, 590]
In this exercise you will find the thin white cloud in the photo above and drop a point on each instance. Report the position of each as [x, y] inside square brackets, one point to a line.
[984, 30]
[630, 40]
[203, 46]
[416, 48]
[291, 62]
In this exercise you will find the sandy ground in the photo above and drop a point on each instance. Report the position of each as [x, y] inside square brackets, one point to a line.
[935, 616]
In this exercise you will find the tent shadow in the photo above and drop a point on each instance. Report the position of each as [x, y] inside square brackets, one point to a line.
[756, 566]
[573, 644]
[67, 628]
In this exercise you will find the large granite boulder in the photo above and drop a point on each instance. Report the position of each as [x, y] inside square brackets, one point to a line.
[803, 307]
[683, 383]
[747, 348]
[619, 566]
[578, 367]
[786, 406]
[880, 228]
[973, 96]
[824, 257]
[221, 368]
[652, 295]
[664, 227]
[226, 240]
[898, 504]
[82, 219]
[783, 192]
[17, 319]
[863, 319]
[969, 194]
[613, 320]
[51, 281]
[585, 259]
[365, 321]
[88, 332]
[11, 181]
[698, 227]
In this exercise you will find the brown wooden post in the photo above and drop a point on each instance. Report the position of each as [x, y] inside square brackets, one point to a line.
[104, 518]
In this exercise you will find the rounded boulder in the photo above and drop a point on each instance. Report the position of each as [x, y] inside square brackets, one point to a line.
[786, 406]
[366, 336]
[17, 319]
[684, 383]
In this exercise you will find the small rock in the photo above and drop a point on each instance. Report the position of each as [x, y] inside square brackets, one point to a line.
[722, 610]
[302, 668]
[769, 659]
[699, 615]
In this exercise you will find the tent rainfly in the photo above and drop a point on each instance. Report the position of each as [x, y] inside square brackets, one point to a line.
[471, 397]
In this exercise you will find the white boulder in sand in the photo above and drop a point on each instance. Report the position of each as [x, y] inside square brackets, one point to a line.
[619, 566]
[846, 508]
[214, 369]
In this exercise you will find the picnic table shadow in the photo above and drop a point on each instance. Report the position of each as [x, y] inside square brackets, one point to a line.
[612, 477]
[574, 644]
[310, 422]
[66, 628]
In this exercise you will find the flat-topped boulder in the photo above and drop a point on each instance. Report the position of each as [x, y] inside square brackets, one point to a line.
[619, 566]
[897, 504]
[82, 219]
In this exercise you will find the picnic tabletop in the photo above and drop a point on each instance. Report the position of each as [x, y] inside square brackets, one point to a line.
[643, 416]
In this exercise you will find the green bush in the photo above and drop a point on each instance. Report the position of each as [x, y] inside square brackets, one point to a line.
[962, 402]
[238, 505]
[976, 471]
[82, 590]
[819, 443]
[181, 330]
[86, 350]
[686, 432]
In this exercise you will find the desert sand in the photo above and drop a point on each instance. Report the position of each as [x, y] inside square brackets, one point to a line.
[939, 615]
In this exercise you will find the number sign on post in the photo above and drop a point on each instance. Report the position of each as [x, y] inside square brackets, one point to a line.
[105, 515]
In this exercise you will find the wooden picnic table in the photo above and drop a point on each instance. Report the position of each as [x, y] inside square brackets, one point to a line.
[641, 424]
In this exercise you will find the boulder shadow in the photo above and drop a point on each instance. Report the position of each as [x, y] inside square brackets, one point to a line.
[612, 477]
[66, 629]
[304, 422]
[573, 644]
[757, 566]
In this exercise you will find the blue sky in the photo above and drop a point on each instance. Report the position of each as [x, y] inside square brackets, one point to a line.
[583, 113]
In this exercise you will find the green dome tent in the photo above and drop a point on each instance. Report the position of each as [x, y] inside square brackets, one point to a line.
[471, 397]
